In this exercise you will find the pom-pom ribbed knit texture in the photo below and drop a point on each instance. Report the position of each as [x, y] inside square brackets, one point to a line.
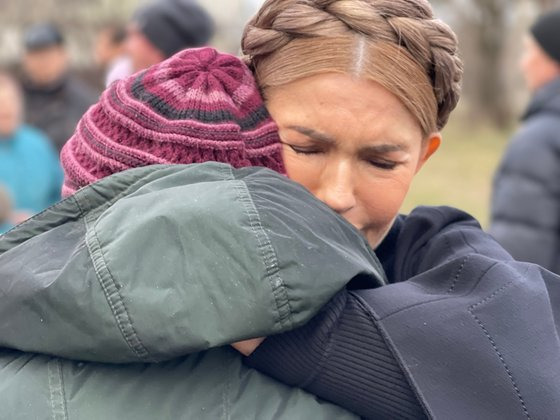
[197, 106]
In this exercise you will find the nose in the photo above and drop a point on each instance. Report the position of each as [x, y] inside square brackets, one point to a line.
[336, 187]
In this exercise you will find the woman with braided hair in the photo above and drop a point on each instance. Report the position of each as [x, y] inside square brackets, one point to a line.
[121, 301]
[360, 90]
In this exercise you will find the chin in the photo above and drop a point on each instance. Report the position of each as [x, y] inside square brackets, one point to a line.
[376, 236]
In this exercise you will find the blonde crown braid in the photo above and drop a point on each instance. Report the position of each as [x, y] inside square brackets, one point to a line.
[406, 23]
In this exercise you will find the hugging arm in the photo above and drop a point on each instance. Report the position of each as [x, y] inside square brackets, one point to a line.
[379, 352]
[341, 356]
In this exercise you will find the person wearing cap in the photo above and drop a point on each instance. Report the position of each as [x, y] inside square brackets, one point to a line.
[164, 27]
[54, 98]
[525, 208]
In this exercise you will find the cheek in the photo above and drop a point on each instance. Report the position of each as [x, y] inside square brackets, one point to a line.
[134, 46]
[131, 45]
[33, 65]
[525, 61]
[301, 168]
[382, 198]
[532, 68]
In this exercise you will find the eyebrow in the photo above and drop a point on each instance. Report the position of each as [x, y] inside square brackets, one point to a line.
[386, 148]
[309, 132]
[380, 148]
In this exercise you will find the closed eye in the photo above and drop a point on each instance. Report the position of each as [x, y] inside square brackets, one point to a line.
[383, 164]
[305, 150]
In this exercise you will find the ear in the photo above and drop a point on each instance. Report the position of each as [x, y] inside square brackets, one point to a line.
[429, 147]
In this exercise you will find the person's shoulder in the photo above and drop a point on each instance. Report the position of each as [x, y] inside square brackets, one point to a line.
[34, 138]
[32, 132]
[436, 218]
[541, 129]
[537, 140]
[423, 224]
[432, 235]
[535, 147]
[79, 90]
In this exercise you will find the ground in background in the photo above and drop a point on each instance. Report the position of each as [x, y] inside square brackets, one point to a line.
[460, 173]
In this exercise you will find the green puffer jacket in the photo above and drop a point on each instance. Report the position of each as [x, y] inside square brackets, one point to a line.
[120, 301]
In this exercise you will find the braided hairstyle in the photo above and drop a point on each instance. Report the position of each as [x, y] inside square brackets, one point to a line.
[396, 43]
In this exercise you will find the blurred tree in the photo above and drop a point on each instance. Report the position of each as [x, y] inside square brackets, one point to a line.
[548, 4]
[491, 28]
[482, 27]
[80, 20]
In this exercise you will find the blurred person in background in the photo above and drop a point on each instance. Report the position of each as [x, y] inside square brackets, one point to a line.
[109, 52]
[54, 99]
[6, 211]
[29, 168]
[164, 27]
[525, 214]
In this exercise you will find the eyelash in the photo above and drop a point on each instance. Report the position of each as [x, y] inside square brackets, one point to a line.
[303, 151]
[381, 164]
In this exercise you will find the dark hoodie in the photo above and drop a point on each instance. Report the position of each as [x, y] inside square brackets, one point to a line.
[526, 198]
[56, 108]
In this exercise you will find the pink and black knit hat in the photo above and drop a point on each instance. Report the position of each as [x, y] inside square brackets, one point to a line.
[197, 106]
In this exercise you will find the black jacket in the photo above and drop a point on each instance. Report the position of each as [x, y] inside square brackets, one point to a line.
[464, 332]
[526, 198]
[56, 109]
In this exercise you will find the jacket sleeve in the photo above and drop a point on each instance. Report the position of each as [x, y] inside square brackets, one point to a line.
[380, 352]
[525, 215]
[341, 356]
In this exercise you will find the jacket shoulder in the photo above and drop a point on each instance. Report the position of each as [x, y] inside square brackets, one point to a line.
[168, 249]
[467, 306]
[539, 129]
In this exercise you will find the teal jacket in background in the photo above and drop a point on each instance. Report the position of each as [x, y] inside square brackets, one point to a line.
[4, 227]
[120, 301]
[30, 170]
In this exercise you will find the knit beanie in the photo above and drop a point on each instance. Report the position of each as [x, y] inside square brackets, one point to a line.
[197, 106]
[546, 31]
[173, 25]
[42, 35]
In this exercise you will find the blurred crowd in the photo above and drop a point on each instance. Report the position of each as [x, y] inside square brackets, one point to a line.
[42, 99]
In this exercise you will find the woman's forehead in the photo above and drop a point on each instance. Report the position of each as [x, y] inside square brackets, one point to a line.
[335, 105]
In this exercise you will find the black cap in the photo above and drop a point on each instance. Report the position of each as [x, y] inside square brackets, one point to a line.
[173, 25]
[546, 31]
[42, 35]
